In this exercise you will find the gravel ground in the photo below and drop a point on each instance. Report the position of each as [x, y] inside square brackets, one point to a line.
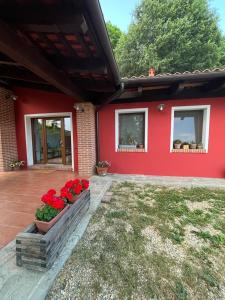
[150, 242]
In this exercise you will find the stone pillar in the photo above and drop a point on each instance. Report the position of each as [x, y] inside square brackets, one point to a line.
[8, 144]
[86, 140]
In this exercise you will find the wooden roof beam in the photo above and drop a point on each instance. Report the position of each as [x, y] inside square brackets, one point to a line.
[15, 48]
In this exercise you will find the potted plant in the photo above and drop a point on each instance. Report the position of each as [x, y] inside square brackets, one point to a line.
[200, 146]
[102, 167]
[48, 214]
[193, 145]
[72, 189]
[140, 146]
[185, 145]
[16, 164]
[177, 144]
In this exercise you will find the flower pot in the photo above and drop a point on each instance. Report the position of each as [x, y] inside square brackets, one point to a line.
[177, 146]
[141, 146]
[44, 227]
[102, 171]
[193, 146]
[185, 147]
[76, 197]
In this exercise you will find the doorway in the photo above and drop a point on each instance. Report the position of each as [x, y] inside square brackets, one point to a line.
[51, 139]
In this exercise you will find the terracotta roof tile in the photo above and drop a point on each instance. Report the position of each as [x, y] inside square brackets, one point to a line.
[180, 73]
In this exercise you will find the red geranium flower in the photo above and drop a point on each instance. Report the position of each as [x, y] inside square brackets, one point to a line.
[85, 184]
[47, 199]
[76, 181]
[69, 184]
[77, 189]
[69, 196]
[51, 192]
[58, 203]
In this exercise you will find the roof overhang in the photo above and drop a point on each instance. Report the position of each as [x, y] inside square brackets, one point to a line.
[59, 45]
[209, 83]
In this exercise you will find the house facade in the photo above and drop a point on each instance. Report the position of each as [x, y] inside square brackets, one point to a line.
[138, 138]
[63, 104]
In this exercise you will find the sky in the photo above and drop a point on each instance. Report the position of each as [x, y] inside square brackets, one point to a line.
[119, 12]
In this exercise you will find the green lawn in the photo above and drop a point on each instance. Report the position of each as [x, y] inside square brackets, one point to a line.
[150, 243]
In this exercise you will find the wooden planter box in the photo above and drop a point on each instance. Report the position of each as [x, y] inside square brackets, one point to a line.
[39, 252]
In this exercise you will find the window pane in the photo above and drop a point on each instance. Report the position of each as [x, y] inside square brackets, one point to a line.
[188, 126]
[37, 142]
[131, 129]
[68, 147]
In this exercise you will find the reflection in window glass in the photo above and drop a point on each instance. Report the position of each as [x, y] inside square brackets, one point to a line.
[188, 126]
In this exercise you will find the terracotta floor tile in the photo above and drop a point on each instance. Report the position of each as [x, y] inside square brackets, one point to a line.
[8, 233]
[20, 196]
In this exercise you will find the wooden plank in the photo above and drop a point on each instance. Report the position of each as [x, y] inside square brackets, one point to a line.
[13, 46]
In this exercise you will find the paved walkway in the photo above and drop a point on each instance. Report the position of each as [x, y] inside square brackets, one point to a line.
[20, 196]
[171, 180]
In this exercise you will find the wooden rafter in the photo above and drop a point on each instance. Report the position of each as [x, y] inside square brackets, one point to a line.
[13, 46]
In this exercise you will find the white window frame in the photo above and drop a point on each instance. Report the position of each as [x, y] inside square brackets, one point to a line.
[130, 111]
[206, 123]
[28, 133]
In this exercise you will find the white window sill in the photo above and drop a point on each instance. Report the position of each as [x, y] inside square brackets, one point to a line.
[201, 151]
[131, 150]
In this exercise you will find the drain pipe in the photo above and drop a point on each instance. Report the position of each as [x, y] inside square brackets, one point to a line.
[107, 101]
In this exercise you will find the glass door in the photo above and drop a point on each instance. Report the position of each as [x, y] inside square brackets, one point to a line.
[52, 140]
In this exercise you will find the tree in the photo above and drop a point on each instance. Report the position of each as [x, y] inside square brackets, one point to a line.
[171, 35]
[222, 53]
[114, 34]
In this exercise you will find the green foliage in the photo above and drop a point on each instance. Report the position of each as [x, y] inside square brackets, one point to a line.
[171, 35]
[114, 34]
[46, 213]
[181, 293]
[216, 240]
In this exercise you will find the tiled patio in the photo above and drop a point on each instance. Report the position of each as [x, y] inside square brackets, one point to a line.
[20, 193]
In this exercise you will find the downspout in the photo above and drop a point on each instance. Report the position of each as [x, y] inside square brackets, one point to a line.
[107, 101]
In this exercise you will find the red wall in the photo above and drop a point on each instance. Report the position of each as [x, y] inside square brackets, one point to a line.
[33, 102]
[158, 160]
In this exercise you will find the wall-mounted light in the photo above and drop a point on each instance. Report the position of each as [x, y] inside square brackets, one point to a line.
[161, 107]
[11, 97]
[78, 108]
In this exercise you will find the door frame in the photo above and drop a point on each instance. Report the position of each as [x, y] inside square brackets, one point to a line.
[28, 133]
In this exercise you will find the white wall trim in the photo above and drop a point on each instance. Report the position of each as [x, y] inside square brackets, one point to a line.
[127, 111]
[206, 122]
[28, 133]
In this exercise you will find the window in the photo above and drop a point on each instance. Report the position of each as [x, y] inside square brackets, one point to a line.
[131, 130]
[190, 128]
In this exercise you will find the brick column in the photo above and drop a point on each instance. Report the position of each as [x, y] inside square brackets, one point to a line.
[8, 145]
[86, 139]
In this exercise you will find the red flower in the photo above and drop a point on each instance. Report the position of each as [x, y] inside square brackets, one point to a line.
[51, 192]
[85, 184]
[78, 189]
[69, 184]
[63, 192]
[58, 203]
[69, 196]
[47, 199]
[76, 181]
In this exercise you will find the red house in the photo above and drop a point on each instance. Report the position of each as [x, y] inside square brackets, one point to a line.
[63, 104]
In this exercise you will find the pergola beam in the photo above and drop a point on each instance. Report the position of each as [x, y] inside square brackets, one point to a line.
[14, 47]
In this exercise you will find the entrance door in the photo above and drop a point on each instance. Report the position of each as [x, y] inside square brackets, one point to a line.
[52, 140]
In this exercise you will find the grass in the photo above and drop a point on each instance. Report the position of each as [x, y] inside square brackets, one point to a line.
[150, 243]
